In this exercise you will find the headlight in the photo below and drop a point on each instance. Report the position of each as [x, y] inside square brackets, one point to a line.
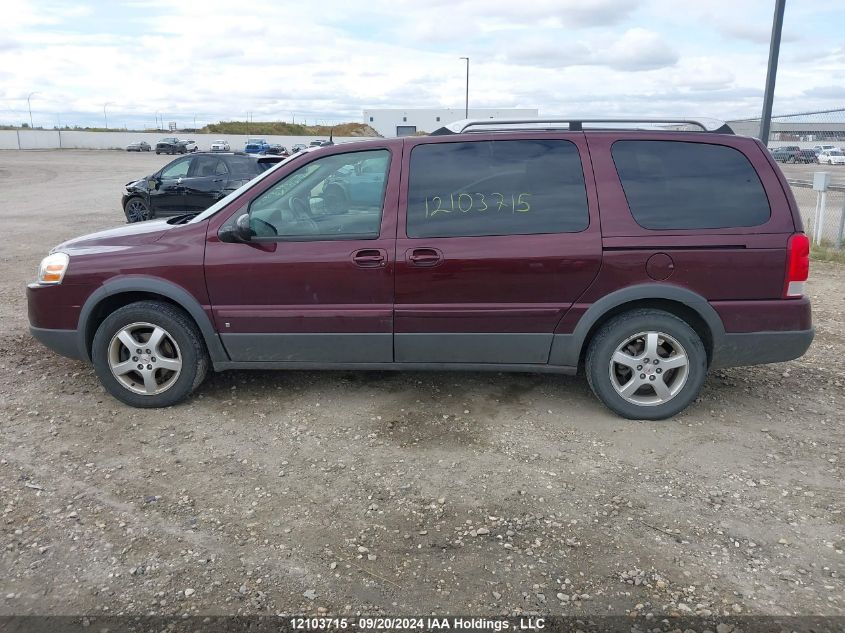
[52, 269]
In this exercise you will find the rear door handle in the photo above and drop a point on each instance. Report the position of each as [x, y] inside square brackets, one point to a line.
[370, 258]
[424, 257]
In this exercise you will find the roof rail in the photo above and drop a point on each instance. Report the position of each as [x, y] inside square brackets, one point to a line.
[576, 124]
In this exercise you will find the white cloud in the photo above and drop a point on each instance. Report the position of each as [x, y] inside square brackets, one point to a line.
[215, 59]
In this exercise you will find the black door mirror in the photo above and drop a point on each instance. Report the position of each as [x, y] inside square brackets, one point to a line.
[239, 231]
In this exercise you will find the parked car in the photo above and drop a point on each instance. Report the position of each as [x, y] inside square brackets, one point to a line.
[832, 157]
[256, 146]
[807, 156]
[483, 249]
[318, 143]
[171, 145]
[785, 154]
[191, 146]
[794, 155]
[189, 184]
[277, 150]
[220, 145]
[298, 147]
[138, 146]
[818, 149]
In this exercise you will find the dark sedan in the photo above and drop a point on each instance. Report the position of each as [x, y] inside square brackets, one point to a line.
[190, 184]
[277, 150]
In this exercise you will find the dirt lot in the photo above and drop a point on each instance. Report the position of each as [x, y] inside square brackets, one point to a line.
[805, 172]
[401, 493]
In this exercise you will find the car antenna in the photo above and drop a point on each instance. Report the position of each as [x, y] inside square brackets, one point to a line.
[331, 136]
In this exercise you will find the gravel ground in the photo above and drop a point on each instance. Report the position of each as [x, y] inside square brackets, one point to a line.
[401, 493]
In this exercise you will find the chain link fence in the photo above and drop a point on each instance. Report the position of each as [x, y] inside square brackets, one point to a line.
[805, 144]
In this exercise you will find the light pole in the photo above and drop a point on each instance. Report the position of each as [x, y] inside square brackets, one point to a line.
[29, 107]
[466, 103]
[104, 113]
[771, 73]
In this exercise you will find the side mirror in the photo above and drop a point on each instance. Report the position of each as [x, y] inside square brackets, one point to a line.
[239, 231]
[152, 183]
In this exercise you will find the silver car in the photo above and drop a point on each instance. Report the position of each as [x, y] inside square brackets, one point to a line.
[138, 146]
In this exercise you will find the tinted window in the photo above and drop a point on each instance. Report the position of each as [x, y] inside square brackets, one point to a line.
[677, 185]
[496, 188]
[205, 166]
[329, 198]
[243, 166]
[176, 169]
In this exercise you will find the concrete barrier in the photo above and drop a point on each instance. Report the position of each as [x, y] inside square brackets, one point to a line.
[71, 139]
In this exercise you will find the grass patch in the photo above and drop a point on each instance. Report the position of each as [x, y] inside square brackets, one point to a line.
[827, 254]
[280, 128]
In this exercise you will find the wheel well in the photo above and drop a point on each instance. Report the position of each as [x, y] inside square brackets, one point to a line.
[115, 302]
[680, 310]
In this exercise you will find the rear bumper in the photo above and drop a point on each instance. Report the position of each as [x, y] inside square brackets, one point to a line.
[64, 342]
[757, 348]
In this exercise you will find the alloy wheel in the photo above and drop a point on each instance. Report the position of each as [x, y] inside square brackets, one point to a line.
[649, 368]
[137, 211]
[145, 358]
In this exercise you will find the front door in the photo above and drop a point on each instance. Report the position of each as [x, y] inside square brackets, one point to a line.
[206, 180]
[496, 240]
[315, 285]
[168, 196]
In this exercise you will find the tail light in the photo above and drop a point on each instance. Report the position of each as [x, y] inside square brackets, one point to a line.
[797, 265]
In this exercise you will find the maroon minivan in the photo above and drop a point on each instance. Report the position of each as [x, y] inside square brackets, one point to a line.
[641, 254]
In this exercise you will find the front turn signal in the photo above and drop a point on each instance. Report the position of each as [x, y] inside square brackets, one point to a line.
[53, 268]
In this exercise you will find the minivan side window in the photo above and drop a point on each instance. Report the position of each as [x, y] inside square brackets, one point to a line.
[478, 188]
[683, 185]
[335, 197]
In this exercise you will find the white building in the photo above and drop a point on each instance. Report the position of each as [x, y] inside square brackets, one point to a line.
[409, 122]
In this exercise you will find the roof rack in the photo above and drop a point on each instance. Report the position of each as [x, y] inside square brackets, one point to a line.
[577, 124]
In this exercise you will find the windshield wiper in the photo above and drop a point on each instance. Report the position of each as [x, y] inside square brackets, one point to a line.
[182, 219]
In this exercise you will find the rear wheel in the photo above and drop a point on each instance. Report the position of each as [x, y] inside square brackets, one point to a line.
[646, 364]
[149, 354]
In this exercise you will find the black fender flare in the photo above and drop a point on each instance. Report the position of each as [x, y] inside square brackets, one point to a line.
[153, 285]
[566, 348]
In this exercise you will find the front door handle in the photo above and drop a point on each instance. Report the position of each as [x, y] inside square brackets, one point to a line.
[424, 257]
[370, 258]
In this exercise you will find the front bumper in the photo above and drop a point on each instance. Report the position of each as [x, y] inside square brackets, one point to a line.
[64, 342]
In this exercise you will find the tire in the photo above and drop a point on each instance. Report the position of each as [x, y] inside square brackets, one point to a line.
[679, 386]
[180, 344]
[157, 152]
[136, 209]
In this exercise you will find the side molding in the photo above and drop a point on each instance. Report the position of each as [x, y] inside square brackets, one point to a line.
[167, 289]
[566, 348]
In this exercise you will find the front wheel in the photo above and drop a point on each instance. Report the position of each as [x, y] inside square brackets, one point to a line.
[137, 210]
[646, 364]
[149, 354]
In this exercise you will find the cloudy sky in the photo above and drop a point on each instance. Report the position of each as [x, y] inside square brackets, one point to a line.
[327, 60]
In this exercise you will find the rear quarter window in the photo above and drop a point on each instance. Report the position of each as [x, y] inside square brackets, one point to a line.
[245, 167]
[683, 185]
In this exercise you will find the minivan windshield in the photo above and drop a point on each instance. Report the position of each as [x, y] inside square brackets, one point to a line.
[237, 192]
